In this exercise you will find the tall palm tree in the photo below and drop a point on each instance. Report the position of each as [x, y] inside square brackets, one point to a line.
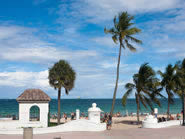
[122, 32]
[168, 82]
[61, 75]
[146, 87]
[180, 84]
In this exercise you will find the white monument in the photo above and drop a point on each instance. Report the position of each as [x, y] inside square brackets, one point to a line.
[94, 113]
[151, 122]
[33, 108]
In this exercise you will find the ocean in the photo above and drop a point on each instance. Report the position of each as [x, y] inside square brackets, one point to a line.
[10, 106]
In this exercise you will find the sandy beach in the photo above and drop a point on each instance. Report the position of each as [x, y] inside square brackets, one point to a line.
[120, 123]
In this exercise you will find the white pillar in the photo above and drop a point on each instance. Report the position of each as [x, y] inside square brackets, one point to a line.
[77, 114]
[155, 112]
[127, 113]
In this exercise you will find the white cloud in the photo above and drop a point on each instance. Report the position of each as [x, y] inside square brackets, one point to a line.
[25, 79]
[20, 44]
[42, 54]
[9, 32]
[102, 10]
[169, 46]
[105, 41]
[106, 9]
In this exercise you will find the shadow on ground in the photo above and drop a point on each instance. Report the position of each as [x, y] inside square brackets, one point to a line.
[128, 122]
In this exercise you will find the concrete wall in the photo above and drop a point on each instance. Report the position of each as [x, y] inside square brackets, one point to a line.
[161, 124]
[24, 114]
[17, 124]
[75, 125]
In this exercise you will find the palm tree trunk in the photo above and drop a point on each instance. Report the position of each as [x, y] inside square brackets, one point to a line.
[59, 116]
[168, 111]
[137, 102]
[183, 114]
[116, 86]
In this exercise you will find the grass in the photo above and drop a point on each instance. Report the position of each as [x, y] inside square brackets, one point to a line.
[51, 124]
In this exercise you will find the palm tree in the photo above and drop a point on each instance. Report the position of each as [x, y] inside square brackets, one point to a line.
[168, 82]
[61, 75]
[146, 87]
[180, 84]
[122, 32]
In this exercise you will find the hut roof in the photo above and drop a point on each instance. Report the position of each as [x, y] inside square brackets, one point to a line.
[33, 95]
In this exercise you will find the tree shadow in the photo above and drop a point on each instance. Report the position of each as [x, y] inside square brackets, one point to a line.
[129, 122]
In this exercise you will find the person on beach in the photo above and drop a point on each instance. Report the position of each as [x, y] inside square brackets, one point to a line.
[163, 119]
[109, 122]
[65, 117]
[171, 117]
[178, 116]
[72, 116]
[82, 114]
[105, 118]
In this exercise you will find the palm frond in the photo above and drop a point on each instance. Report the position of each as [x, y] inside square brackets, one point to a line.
[142, 101]
[149, 102]
[111, 31]
[130, 47]
[66, 91]
[125, 96]
[160, 73]
[133, 39]
[132, 31]
[115, 39]
[129, 86]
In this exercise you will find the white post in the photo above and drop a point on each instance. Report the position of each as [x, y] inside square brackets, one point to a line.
[126, 112]
[155, 112]
[77, 114]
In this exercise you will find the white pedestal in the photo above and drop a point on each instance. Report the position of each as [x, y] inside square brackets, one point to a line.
[94, 113]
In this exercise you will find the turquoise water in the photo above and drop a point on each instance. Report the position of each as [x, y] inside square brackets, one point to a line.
[10, 106]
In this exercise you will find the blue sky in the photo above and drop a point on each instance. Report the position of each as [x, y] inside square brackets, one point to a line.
[34, 34]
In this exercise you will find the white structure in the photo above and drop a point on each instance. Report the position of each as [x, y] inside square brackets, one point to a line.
[151, 122]
[77, 114]
[75, 125]
[155, 110]
[29, 99]
[94, 113]
[93, 124]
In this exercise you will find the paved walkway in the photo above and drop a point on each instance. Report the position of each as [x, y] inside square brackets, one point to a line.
[175, 132]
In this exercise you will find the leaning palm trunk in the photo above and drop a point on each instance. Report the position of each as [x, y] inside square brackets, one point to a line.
[183, 106]
[137, 102]
[58, 117]
[168, 111]
[117, 78]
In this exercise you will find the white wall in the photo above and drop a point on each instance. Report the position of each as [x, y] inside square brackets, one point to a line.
[161, 124]
[24, 114]
[75, 125]
[94, 116]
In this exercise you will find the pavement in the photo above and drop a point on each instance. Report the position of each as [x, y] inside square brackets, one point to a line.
[175, 132]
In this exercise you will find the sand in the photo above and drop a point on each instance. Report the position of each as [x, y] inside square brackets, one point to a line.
[120, 123]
